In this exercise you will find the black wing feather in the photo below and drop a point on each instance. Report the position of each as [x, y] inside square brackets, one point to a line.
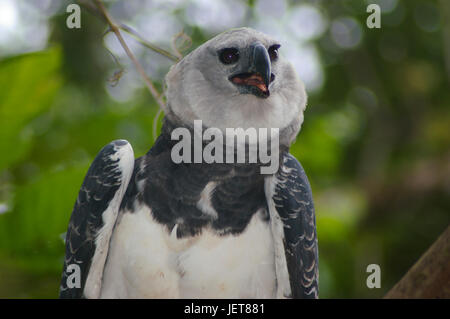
[102, 181]
[294, 204]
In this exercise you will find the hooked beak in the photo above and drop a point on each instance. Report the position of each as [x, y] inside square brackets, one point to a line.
[257, 75]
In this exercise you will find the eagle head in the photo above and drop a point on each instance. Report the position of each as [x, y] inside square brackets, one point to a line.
[238, 79]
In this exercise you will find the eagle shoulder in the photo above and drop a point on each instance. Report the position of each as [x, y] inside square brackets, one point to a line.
[93, 219]
[292, 213]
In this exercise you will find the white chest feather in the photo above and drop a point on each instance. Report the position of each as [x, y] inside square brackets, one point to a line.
[145, 261]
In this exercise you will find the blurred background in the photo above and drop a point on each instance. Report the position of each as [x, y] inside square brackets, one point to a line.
[375, 141]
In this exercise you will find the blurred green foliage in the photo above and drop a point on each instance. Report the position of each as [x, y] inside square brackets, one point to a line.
[375, 141]
[28, 87]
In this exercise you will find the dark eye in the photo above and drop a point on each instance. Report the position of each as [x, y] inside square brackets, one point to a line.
[229, 55]
[273, 52]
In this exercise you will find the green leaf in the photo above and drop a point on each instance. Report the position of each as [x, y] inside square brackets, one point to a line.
[28, 84]
[31, 232]
[317, 149]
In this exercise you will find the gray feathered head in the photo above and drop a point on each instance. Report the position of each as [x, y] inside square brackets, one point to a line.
[237, 79]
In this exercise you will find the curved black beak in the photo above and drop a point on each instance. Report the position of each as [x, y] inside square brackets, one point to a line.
[260, 62]
[254, 73]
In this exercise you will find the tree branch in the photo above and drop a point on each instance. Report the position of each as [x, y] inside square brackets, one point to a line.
[147, 44]
[88, 5]
[115, 28]
[430, 275]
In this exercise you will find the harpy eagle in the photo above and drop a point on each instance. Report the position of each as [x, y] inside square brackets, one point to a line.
[153, 228]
